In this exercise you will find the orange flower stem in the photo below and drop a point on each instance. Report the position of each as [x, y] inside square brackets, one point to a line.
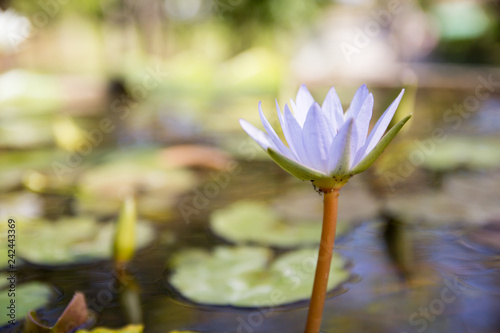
[330, 207]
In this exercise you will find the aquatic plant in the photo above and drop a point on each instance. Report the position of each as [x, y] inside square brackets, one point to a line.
[327, 147]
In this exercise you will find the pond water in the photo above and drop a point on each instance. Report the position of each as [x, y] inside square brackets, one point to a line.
[409, 273]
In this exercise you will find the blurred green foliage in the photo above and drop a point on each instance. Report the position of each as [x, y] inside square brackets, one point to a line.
[54, 8]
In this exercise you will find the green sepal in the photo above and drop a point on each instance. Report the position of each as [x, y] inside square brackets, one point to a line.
[295, 169]
[379, 148]
[319, 179]
[332, 182]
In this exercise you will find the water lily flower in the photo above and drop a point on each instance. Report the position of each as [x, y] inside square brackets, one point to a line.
[326, 145]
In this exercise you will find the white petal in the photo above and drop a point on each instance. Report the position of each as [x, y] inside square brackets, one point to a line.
[303, 101]
[294, 138]
[357, 102]
[317, 136]
[284, 128]
[260, 137]
[379, 128]
[280, 116]
[333, 109]
[286, 131]
[343, 149]
[272, 134]
[362, 120]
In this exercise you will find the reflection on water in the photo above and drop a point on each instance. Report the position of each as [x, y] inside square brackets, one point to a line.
[453, 287]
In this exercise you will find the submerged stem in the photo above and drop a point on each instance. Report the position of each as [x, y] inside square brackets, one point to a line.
[324, 261]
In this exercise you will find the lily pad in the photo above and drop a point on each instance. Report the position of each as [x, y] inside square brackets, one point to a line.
[28, 93]
[463, 199]
[15, 164]
[25, 133]
[463, 152]
[69, 240]
[256, 222]
[20, 229]
[29, 296]
[249, 276]
[102, 188]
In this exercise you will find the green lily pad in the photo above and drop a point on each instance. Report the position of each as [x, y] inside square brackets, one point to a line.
[25, 133]
[256, 222]
[249, 276]
[126, 329]
[29, 296]
[102, 188]
[29, 93]
[463, 152]
[20, 229]
[462, 199]
[428, 207]
[15, 165]
[68, 240]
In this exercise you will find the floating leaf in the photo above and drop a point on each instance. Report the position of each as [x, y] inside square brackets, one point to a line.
[463, 198]
[29, 296]
[16, 163]
[25, 133]
[248, 276]
[29, 93]
[84, 239]
[102, 188]
[256, 222]
[461, 152]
